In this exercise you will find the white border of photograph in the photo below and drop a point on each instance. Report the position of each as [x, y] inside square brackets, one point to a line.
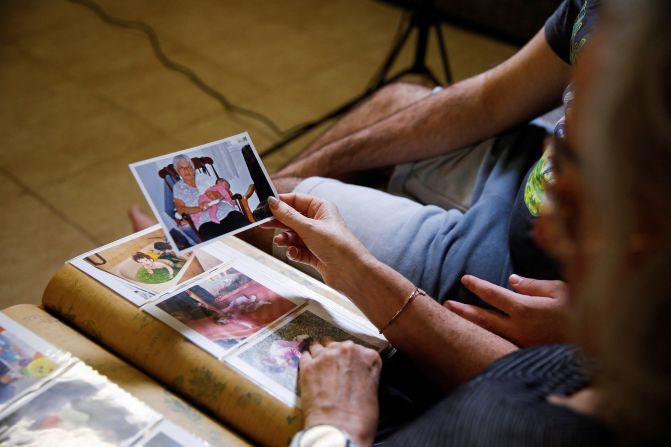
[175, 433]
[36, 344]
[167, 159]
[267, 383]
[294, 294]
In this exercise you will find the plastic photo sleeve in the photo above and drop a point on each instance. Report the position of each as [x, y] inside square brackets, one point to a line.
[167, 434]
[79, 407]
[26, 361]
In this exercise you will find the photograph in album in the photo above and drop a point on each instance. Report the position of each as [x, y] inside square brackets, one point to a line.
[222, 310]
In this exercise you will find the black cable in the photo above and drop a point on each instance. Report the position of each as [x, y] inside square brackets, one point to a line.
[185, 71]
[285, 135]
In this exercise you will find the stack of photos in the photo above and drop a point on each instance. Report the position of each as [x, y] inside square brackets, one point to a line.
[206, 192]
[144, 265]
[51, 398]
[254, 320]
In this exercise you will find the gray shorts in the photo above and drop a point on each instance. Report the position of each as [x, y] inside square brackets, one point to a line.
[443, 217]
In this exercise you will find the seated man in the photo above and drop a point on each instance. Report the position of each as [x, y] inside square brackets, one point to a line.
[473, 203]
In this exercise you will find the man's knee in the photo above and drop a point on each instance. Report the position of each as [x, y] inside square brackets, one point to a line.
[286, 184]
[401, 94]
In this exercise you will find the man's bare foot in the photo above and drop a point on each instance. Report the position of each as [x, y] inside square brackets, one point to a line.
[139, 219]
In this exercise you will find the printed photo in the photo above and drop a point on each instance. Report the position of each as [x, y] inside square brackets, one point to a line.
[276, 356]
[207, 192]
[24, 362]
[224, 308]
[78, 408]
[149, 262]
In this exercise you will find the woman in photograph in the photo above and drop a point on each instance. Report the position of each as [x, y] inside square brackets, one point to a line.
[612, 215]
[187, 195]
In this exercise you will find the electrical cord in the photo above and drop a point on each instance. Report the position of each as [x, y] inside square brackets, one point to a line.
[179, 68]
[285, 135]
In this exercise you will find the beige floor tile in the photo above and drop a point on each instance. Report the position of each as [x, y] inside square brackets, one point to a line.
[20, 18]
[22, 76]
[35, 242]
[97, 198]
[80, 99]
[64, 131]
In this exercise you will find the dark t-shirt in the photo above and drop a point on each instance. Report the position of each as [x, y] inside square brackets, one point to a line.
[566, 32]
[507, 405]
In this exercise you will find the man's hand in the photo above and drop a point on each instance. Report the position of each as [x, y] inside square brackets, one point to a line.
[535, 315]
[338, 383]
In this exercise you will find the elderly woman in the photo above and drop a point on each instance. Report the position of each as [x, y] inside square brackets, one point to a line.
[613, 223]
[187, 192]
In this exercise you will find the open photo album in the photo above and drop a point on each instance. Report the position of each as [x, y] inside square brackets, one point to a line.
[229, 305]
[48, 397]
[210, 318]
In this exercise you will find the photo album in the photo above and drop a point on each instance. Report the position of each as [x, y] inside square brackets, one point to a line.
[48, 396]
[217, 321]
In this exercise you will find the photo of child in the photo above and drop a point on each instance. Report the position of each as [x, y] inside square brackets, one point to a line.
[219, 192]
[149, 272]
[226, 308]
[276, 356]
[21, 366]
[148, 261]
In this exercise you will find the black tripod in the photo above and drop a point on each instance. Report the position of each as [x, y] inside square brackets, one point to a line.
[422, 19]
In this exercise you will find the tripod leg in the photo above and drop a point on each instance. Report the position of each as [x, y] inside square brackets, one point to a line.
[379, 79]
[443, 54]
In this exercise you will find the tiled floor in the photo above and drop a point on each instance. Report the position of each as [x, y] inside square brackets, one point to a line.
[80, 99]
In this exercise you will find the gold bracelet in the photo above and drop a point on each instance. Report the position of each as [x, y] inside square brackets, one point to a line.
[406, 303]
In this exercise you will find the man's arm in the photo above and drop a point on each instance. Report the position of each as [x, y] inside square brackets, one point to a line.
[521, 88]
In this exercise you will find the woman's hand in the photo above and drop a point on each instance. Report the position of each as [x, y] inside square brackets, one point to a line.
[536, 315]
[338, 383]
[316, 235]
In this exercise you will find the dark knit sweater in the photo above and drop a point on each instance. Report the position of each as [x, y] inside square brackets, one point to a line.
[507, 405]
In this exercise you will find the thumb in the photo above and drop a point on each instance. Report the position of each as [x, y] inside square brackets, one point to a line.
[288, 215]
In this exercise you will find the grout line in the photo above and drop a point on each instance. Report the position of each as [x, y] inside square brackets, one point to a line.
[64, 217]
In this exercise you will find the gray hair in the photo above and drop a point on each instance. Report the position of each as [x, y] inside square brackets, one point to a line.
[628, 158]
[181, 157]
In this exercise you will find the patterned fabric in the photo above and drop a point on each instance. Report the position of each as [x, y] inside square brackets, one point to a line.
[507, 405]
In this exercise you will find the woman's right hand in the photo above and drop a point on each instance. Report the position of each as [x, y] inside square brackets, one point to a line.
[317, 235]
[339, 383]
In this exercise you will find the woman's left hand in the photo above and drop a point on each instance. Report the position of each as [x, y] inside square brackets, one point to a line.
[535, 315]
[338, 383]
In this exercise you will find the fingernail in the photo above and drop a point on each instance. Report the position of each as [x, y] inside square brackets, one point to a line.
[515, 279]
[292, 252]
[273, 202]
